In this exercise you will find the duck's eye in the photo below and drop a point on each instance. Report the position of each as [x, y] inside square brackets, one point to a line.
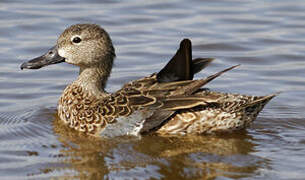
[76, 40]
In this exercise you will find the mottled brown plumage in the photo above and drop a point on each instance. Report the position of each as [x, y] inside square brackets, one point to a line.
[169, 102]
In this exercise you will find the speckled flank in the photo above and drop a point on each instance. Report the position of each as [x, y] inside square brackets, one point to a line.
[170, 102]
[226, 113]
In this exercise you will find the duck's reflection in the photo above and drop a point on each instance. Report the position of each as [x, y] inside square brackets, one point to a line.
[188, 157]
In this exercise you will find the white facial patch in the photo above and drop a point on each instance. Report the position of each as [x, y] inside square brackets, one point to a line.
[61, 53]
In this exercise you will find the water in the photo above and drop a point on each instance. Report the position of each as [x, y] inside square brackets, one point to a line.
[266, 37]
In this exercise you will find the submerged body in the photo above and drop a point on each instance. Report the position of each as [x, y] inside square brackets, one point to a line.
[168, 102]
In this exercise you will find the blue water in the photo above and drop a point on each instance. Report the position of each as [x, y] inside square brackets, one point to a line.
[266, 37]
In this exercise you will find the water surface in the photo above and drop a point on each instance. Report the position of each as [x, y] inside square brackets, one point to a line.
[266, 37]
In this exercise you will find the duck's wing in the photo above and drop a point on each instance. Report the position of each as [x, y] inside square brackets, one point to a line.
[156, 98]
[181, 66]
[200, 63]
[155, 102]
[167, 96]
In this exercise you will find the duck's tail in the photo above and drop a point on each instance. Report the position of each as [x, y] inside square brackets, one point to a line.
[260, 101]
[252, 109]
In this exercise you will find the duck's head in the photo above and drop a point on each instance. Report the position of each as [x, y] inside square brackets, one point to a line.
[84, 45]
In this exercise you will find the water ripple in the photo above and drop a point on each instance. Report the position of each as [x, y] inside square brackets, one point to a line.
[265, 37]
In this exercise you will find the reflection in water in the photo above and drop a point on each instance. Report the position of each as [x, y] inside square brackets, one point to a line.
[157, 157]
[265, 37]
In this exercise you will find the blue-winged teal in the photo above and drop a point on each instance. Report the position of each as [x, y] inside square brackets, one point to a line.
[167, 102]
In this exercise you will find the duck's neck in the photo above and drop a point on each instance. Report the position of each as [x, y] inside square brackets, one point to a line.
[94, 79]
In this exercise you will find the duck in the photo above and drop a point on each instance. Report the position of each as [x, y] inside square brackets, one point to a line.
[169, 102]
